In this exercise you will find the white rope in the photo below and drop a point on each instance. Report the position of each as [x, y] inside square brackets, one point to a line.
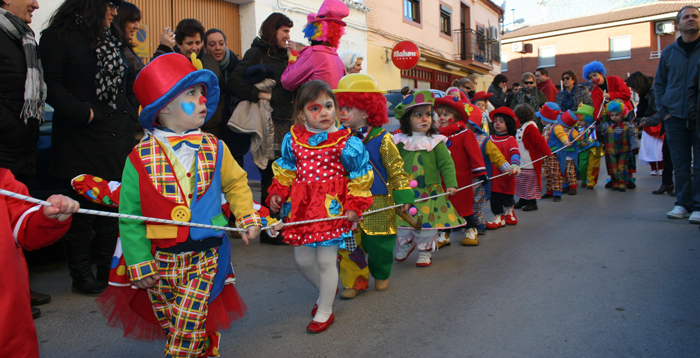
[226, 228]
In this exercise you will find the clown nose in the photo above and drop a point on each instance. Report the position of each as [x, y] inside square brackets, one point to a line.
[202, 100]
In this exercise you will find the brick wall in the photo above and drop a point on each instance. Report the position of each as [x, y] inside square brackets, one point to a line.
[573, 51]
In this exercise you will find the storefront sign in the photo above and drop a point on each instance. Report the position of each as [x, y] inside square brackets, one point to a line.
[405, 55]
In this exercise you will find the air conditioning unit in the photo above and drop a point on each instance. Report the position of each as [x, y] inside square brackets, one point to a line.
[494, 33]
[664, 27]
[517, 47]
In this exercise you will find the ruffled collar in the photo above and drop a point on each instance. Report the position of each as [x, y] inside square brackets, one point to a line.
[312, 138]
[419, 141]
[453, 128]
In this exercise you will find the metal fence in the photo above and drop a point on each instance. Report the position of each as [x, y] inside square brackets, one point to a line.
[476, 46]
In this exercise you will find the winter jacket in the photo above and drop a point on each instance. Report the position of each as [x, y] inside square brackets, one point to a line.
[499, 97]
[282, 101]
[319, 62]
[549, 89]
[673, 79]
[580, 95]
[18, 141]
[617, 89]
[101, 146]
[693, 99]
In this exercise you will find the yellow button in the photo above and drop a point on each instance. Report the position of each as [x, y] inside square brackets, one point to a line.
[180, 213]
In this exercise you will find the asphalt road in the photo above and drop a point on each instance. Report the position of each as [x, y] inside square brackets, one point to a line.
[600, 274]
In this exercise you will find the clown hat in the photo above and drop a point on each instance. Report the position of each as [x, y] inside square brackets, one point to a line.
[456, 92]
[549, 112]
[505, 111]
[568, 119]
[330, 10]
[466, 110]
[357, 82]
[587, 112]
[165, 78]
[416, 99]
[481, 95]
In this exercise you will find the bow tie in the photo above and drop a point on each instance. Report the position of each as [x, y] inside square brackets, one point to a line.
[362, 132]
[190, 140]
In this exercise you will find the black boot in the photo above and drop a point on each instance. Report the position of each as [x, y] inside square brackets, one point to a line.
[663, 189]
[531, 205]
[520, 203]
[103, 245]
[78, 242]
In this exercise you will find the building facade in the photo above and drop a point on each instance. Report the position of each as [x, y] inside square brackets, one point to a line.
[456, 38]
[625, 40]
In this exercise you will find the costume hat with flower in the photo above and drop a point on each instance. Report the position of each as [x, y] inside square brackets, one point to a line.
[165, 78]
[467, 111]
[415, 99]
[549, 112]
[568, 119]
[361, 91]
[327, 26]
[586, 111]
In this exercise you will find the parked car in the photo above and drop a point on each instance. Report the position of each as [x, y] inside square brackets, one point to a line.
[394, 97]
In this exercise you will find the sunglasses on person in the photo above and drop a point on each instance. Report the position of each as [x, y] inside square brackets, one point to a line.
[529, 82]
[112, 6]
[566, 78]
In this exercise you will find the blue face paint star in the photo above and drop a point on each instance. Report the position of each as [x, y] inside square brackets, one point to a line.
[188, 107]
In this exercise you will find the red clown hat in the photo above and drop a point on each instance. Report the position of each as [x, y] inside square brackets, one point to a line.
[568, 119]
[165, 78]
[505, 111]
[330, 10]
[467, 111]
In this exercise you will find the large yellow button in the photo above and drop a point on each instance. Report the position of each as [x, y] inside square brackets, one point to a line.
[180, 213]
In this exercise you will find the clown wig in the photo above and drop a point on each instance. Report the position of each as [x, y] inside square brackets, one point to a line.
[324, 32]
[618, 107]
[594, 66]
[372, 102]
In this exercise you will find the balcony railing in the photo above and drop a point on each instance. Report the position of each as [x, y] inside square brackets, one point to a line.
[471, 45]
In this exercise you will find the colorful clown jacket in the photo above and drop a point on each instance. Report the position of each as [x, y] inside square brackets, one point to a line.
[155, 184]
[321, 175]
[390, 184]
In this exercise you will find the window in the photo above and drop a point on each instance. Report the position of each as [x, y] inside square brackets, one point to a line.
[504, 61]
[546, 56]
[620, 47]
[445, 20]
[411, 10]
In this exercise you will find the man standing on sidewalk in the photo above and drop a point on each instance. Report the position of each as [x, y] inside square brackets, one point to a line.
[676, 87]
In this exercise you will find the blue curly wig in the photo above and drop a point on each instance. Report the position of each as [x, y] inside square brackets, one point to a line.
[594, 66]
[615, 106]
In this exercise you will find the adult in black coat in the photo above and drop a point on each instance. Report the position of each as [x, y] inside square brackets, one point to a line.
[93, 133]
[19, 133]
[270, 48]
[498, 87]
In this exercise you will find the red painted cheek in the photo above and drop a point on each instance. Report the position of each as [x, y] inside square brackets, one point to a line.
[202, 100]
[315, 109]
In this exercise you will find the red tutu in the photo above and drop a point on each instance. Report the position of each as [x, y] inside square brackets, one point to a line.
[130, 309]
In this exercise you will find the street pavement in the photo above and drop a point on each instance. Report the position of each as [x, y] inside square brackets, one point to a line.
[600, 274]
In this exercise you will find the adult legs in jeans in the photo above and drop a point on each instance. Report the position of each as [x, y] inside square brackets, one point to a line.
[90, 239]
[683, 144]
[667, 174]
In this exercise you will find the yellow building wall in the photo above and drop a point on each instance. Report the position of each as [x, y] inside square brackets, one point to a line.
[387, 75]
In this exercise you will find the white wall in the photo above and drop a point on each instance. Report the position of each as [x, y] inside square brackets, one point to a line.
[41, 17]
[253, 14]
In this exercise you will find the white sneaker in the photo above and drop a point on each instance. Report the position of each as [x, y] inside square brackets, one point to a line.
[425, 258]
[653, 173]
[678, 212]
[443, 239]
[660, 172]
[694, 217]
[404, 251]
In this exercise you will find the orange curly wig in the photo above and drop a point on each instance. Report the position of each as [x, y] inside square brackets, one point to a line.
[372, 102]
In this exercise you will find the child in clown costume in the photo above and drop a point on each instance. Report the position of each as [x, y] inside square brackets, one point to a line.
[426, 159]
[363, 110]
[178, 172]
[591, 149]
[469, 164]
[561, 165]
[620, 142]
[532, 147]
[324, 172]
[320, 61]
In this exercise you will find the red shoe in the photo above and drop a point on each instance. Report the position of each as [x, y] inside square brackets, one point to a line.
[318, 327]
[496, 223]
[510, 216]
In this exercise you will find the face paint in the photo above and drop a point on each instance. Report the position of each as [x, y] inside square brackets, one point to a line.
[315, 109]
[188, 107]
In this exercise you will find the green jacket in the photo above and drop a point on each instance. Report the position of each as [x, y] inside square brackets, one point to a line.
[435, 162]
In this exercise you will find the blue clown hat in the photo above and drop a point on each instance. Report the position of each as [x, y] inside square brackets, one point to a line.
[165, 78]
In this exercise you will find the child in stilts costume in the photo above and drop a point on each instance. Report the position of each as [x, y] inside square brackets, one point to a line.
[620, 144]
[363, 110]
[426, 159]
[178, 172]
[492, 157]
[469, 164]
[532, 147]
[324, 172]
[505, 123]
[591, 149]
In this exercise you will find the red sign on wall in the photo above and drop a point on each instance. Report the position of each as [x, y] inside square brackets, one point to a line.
[405, 55]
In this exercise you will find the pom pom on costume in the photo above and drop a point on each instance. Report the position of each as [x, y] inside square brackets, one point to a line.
[413, 211]
[594, 66]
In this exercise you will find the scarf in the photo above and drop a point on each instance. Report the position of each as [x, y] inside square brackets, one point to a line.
[532, 93]
[34, 85]
[223, 65]
[111, 67]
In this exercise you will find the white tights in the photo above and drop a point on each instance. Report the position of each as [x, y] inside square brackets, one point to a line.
[319, 267]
